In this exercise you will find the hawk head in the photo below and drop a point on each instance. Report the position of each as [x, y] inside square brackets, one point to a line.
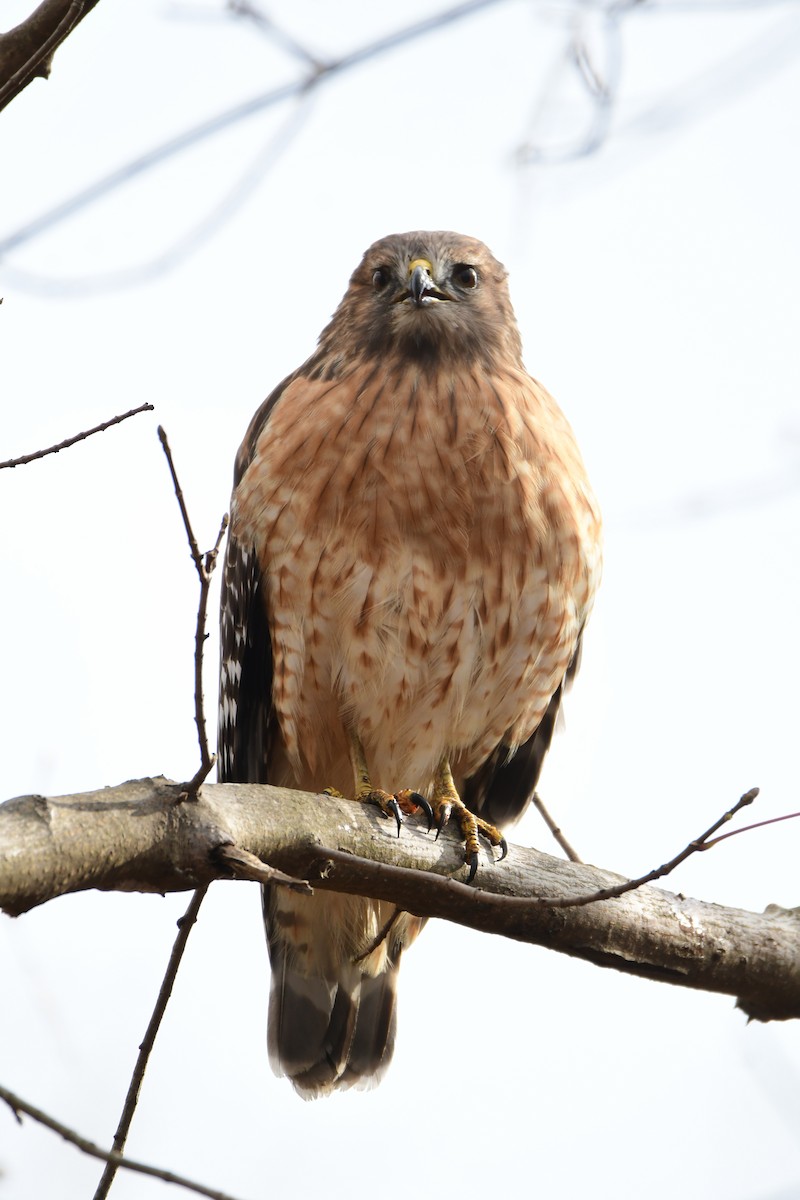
[432, 297]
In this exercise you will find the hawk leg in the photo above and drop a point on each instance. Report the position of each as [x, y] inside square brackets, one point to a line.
[395, 805]
[446, 802]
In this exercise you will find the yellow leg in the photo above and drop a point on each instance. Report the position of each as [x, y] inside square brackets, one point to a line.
[396, 805]
[445, 802]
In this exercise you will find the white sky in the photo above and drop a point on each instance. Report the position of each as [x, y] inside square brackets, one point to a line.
[656, 287]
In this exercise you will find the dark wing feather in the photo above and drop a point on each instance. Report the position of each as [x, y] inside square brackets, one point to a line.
[246, 719]
[502, 787]
[247, 726]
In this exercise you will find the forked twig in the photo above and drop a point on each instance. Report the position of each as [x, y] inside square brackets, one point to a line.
[18, 1105]
[204, 565]
[701, 843]
[78, 437]
[165, 991]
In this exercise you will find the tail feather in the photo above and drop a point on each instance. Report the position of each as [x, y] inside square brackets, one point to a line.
[332, 1014]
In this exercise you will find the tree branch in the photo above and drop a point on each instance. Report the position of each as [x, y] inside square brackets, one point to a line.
[140, 837]
[27, 50]
[77, 437]
[148, 1041]
[204, 565]
[18, 1105]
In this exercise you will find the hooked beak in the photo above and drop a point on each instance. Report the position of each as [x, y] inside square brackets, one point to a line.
[421, 287]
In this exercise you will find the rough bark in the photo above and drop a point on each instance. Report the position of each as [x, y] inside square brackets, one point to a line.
[146, 836]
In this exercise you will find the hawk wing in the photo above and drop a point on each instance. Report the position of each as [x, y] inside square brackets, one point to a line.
[247, 726]
[503, 786]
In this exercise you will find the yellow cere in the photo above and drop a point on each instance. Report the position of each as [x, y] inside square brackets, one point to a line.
[420, 262]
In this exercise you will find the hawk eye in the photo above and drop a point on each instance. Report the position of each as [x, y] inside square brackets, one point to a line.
[465, 275]
[380, 278]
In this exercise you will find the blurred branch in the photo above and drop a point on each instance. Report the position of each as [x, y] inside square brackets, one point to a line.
[78, 437]
[26, 52]
[140, 837]
[240, 112]
[18, 1106]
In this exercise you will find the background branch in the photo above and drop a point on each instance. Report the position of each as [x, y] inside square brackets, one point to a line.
[77, 437]
[140, 837]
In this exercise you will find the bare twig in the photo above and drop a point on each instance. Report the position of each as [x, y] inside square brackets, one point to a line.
[129, 1108]
[701, 843]
[262, 21]
[19, 1105]
[747, 828]
[204, 565]
[538, 803]
[197, 558]
[78, 437]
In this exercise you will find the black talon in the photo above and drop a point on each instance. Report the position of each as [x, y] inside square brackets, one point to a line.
[394, 807]
[472, 863]
[444, 817]
[422, 803]
[503, 849]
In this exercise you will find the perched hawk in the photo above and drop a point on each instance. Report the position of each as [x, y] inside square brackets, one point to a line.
[413, 554]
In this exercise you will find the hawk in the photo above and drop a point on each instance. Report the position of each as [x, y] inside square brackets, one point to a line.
[413, 554]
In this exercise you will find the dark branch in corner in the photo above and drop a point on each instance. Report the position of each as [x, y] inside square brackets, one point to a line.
[78, 437]
[27, 50]
[18, 1106]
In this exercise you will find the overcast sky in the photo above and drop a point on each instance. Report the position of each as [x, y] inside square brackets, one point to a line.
[653, 255]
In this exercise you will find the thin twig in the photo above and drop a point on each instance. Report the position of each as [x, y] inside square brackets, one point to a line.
[193, 547]
[165, 991]
[204, 565]
[701, 843]
[747, 828]
[380, 936]
[538, 803]
[79, 437]
[18, 1105]
[243, 8]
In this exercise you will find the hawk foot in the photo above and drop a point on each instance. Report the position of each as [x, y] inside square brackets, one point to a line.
[396, 806]
[446, 804]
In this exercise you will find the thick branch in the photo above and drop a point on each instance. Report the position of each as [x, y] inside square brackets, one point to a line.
[140, 836]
